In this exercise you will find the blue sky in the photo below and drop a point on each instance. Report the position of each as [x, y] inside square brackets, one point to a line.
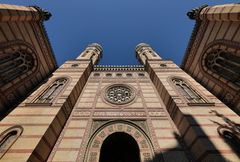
[118, 26]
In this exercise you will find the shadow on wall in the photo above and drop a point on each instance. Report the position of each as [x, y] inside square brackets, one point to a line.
[168, 155]
[230, 132]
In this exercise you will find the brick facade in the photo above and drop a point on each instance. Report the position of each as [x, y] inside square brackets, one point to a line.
[96, 102]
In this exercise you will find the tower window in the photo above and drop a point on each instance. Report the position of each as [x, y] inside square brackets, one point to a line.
[75, 65]
[8, 137]
[52, 91]
[187, 92]
[163, 65]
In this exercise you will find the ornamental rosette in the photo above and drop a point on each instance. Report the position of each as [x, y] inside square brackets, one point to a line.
[119, 94]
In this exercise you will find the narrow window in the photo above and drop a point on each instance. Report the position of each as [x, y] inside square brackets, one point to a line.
[152, 53]
[85, 53]
[129, 75]
[225, 64]
[108, 75]
[96, 74]
[118, 74]
[8, 137]
[52, 91]
[186, 91]
[163, 65]
[14, 65]
[75, 65]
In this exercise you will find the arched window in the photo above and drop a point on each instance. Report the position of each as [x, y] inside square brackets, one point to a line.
[108, 75]
[14, 65]
[225, 64]
[118, 74]
[187, 92]
[129, 75]
[52, 91]
[8, 137]
[96, 74]
[141, 74]
[231, 135]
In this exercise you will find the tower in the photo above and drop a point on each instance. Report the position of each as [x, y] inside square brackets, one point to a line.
[92, 52]
[38, 121]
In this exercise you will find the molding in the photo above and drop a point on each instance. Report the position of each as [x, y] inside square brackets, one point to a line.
[118, 68]
[44, 14]
[194, 14]
[201, 104]
[198, 31]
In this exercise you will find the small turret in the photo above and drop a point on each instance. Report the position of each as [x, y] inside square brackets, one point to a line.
[93, 51]
[145, 52]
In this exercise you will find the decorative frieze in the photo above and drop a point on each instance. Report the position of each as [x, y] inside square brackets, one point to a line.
[119, 68]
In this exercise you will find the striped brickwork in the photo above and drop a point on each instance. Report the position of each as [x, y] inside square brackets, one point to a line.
[42, 123]
[195, 122]
[216, 27]
[22, 27]
[92, 112]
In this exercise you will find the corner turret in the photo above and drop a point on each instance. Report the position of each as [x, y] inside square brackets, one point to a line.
[93, 51]
[145, 52]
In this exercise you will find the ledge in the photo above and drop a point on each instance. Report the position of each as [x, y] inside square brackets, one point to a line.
[202, 104]
[119, 68]
[38, 104]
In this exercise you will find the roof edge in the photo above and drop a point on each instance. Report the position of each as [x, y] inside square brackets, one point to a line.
[193, 15]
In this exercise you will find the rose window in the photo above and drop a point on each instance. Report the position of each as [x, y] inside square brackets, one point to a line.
[119, 94]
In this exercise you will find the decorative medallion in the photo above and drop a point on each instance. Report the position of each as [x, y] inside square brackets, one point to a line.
[119, 94]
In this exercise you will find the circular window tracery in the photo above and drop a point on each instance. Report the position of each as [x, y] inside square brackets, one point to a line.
[119, 94]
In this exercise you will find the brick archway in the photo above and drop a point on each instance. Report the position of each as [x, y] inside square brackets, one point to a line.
[97, 139]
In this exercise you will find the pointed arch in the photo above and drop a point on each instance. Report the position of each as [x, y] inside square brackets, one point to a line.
[185, 90]
[52, 91]
[225, 64]
[221, 61]
[17, 59]
[8, 137]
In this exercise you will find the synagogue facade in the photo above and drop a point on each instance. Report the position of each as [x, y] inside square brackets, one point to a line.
[152, 112]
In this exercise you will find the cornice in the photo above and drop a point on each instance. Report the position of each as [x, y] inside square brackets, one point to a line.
[119, 68]
[45, 15]
[193, 15]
